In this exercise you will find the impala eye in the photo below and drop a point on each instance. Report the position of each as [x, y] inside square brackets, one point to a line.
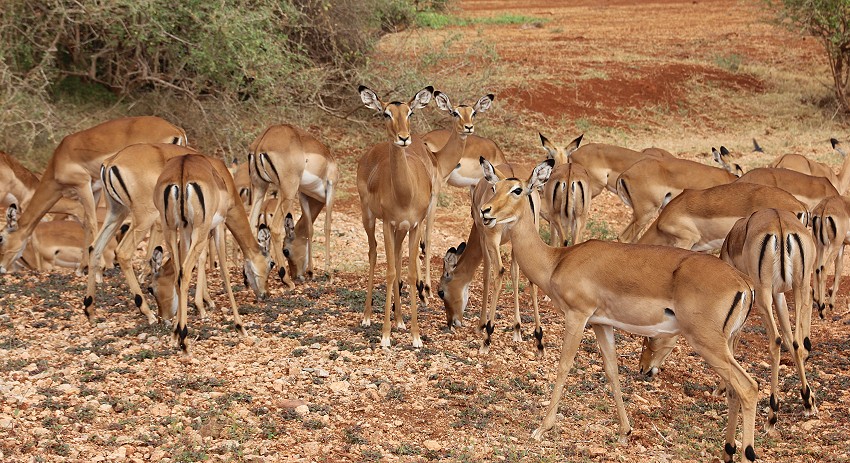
[387, 116]
[517, 191]
[455, 114]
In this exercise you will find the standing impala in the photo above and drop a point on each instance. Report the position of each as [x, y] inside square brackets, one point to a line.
[396, 180]
[461, 263]
[18, 184]
[296, 164]
[810, 190]
[831, 229]
[75, 169]
[566, 196]
[646, 290]
[605, 163]
[807, 166]
[195, 195]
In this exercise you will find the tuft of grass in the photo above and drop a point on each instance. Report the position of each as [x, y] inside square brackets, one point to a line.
[731, 62]
[436, 20]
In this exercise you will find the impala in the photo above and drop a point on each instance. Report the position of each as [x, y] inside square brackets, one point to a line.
[295, 163]
[777, 252]
[646, 290]
[831, 229]
[17, 185]
[808, 189]
[605, 163]
[699, 220]
[807, 166]
[468, 171]
[566, 196]
[650, 183]
[194, 195]
[75, 168]
[460, 264]
[129, 179]
[396, 181]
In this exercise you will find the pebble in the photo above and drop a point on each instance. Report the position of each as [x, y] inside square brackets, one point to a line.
[339, 386]
[302, 410]
[432, 445]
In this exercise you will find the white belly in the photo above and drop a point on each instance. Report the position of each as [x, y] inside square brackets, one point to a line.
[669, 326]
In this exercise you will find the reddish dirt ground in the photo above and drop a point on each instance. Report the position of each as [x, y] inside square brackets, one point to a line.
[309, 384]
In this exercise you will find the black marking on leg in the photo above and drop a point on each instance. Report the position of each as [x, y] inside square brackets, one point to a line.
[516, 327]
[772, 420]
[487, 341]
[750, 453]
[806, 394]
[730, 449]
[501, 271]
[778, 341]
[239, 327]
[180, 279]
[817, 271]
[566, 242]
[774, 404]
[735, 302]
[91, 249]
[807, 344]
[87, 302]
[428, 288]
[138, 300]
[420, 289]
[490, 328]
[538, 335]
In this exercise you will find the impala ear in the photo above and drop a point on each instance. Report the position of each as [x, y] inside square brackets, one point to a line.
[461, 247]
[738, 171]
[551, 150]
[836, 145]
[370, 99]
[573, 145]
[12, 217]
[264, 236]
[422, 98]
[443, 102]
[540, 174]
[289, 227]
[484, 103]
[156, 260]
[717, 157]
[450, 260]
[723, 150]
[489, 171]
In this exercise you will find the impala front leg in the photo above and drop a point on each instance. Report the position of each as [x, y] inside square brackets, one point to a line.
[605, 339]
[573, 328]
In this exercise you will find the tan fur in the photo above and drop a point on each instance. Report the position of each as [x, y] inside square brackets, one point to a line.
[647, 290]
[831, 230]
[648, 184]
[605, 163]
[699, 220]
[808, 189]
[290, 159]
[802, 164]
[566, 197]
[17, 185]
[74, 167]
[195, 195]
[469, 172]
[129, 179]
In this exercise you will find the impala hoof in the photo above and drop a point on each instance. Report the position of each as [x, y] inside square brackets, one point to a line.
[484, 349]
[417, 342]
[366, 322]
[385, 341]
[537, 434]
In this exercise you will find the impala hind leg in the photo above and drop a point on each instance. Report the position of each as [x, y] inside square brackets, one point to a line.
[115, 216]
[398, 313]
[413, 276]
[391, 282]
[493, 264]
[573, 329]
[605, 339]
[369, 225]
[796, 349]
[218, 241]
[763, 303]
[517, 315]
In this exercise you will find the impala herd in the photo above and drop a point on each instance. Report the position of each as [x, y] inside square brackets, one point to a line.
[651, 284]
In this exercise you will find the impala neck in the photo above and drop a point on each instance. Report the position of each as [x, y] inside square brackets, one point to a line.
[535, 258]
[401, 178]
[237, 223]
[469, 260]
[450, 154]
[844, 176]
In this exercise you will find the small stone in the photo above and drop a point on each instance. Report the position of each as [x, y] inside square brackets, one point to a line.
[339, 386]
[322, 373]
[311, 448]
[315, 345]
[432, 445]
[291, 404]
[302, 410]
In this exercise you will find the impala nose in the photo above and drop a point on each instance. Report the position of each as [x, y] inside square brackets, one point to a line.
[403, 141]
[469, 128]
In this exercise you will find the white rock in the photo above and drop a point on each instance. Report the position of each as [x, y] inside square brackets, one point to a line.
[339, 386]
[432, 445]
[302, 410]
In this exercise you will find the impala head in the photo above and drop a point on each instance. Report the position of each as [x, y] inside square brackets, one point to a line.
[8, 257]
[836, 145]
[561, 154]
[396, 114]
[463, 115]
[510, 195]
[726, 160]
[163, 285]
[454, 293]
[256, 270]
[296, 250]
[653, 352]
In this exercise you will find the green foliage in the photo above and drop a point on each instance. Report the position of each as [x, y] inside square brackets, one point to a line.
[437, 20]
[829, 22]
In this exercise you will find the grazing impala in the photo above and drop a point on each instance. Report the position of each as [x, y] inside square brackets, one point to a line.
[807, 166]
[566, 196]
[776, 251]
[808, 189]
[194, 195]
[296, 164]
[699, 220]
[831, 229]
[646, 290]
[396, 180]
[650, 183]
[129, 179]
[460, 264]
[75, 169]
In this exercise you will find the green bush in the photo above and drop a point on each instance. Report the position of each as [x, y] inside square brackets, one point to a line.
[829, 22]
